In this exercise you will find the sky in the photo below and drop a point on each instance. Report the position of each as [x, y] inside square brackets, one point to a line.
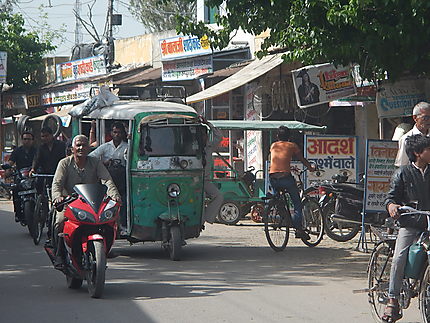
[61, 12]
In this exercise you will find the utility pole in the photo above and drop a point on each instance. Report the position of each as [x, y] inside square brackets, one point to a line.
[78, 26]
[110, 43]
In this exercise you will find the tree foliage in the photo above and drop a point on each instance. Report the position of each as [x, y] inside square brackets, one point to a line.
[25, 50]
[157, 15]
[382, 36]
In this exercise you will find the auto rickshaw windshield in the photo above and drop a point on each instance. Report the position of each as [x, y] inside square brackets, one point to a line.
[171, 140]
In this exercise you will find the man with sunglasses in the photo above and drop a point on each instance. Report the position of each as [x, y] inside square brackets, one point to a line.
[421, 116]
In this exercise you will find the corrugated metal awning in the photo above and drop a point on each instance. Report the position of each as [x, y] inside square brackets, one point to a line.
[62, 113]
[245, 75]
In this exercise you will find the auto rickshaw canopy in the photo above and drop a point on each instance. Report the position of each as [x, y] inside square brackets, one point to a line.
[264, 125]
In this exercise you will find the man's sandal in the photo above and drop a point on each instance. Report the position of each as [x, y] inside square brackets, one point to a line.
[392, 313]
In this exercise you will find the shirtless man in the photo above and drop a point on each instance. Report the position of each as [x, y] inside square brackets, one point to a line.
[281, 153]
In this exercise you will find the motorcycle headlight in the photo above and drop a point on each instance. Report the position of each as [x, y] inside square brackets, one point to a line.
[109, 211]
[83, 215]
[26, 184]
[173, 190]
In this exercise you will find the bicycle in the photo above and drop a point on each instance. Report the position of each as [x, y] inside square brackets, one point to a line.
[278, 221]
[42, 208]
[379, 274]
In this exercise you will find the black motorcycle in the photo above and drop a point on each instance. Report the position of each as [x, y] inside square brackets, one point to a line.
[25, 195]
[342, 205]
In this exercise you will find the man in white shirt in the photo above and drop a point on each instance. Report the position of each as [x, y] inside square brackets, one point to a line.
[112, 154]
[421, 116]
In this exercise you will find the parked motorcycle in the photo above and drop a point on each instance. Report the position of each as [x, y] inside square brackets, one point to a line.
[24, 191]
[87, 237]
[342, 205]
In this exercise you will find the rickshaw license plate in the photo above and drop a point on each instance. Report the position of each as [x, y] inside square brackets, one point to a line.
[27, 192]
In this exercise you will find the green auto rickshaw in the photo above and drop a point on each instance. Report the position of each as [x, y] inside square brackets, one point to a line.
[243, 189]
[164, 168]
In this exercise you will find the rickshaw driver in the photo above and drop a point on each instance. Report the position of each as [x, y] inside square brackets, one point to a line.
[281, 153]
[211, 191]
[109, 153]
[79, 168]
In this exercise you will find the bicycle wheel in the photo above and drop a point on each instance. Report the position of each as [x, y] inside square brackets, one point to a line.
[313, 221]
[276, 227]
[38, 221]
[379, 278]
[424, 296]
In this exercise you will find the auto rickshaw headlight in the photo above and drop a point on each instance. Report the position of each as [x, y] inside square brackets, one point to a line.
[183, 163]
[173, 190]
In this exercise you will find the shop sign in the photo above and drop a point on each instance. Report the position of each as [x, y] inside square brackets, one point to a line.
[184, 46]
[380, 157]
[323, 83]
[14, 101]
[187, 69]
[397, 99]
[68, 94]
[33, 100]
[81, 68]
[253, 138]
[332, 155]
[3, 67]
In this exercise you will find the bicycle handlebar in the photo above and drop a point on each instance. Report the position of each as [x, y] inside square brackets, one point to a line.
[407, 210]
[42, 175]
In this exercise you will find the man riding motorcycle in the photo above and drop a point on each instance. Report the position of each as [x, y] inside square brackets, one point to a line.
[22, 157]
[79, 168]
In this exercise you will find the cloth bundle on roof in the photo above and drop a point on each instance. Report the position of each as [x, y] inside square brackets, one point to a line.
[105, 98]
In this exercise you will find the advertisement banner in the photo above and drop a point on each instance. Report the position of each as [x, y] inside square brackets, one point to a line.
[397, 99]
[187, 69]
[323, 83]
[184, 46]
[333, 155]
[380, 157]
[253, 138]
[3, 67]
[68, 94]
[81, 68]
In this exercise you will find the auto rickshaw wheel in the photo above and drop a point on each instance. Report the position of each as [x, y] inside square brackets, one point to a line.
[229, 213]
[175, 243]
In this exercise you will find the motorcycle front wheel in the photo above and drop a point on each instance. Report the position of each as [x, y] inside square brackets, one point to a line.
[29, 216]
[97, 268]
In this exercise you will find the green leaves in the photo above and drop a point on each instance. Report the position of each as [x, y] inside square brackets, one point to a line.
[381, 35]
[25, 50]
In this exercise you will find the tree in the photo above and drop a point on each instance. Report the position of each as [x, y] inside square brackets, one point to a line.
[25, 50]
[158, 15]
[382, 36]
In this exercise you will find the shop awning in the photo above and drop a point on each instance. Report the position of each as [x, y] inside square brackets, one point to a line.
[245, 75]
[264, 125]
[62, 113]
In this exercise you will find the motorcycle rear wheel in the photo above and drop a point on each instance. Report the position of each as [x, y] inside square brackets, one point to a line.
[337, 230]
[97, 268]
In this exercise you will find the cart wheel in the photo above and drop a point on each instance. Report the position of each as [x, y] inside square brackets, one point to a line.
[175, 243]
[229, 213]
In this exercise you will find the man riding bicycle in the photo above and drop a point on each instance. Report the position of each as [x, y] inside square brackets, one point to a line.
[281, 153]
[409, 184]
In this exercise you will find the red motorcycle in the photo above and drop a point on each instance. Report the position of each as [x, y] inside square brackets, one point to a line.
[87, 238]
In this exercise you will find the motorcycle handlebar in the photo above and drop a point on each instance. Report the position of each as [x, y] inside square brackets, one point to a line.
[66, 200]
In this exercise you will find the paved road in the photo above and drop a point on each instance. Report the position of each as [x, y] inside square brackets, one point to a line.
[227, 275]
